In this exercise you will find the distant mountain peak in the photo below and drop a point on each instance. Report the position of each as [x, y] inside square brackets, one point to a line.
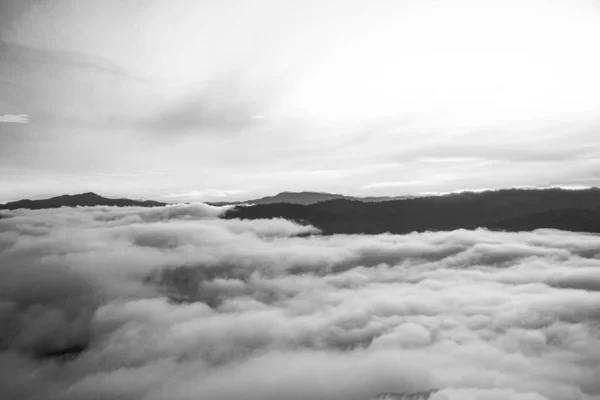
[88, 199]
[83, 196]
[308, 197]
[88, 194]
[304, 192]
[405, 396]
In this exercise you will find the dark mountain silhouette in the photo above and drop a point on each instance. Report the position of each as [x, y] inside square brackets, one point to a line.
[307, 198]
[83, 199]
[507, 209]
[572, 219]
[405, 396]
[287, 197]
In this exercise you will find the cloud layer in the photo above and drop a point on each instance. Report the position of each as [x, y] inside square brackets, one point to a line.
[173, 302]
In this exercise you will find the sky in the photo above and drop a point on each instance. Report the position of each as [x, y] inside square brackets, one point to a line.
[176, 303]
[215, 100]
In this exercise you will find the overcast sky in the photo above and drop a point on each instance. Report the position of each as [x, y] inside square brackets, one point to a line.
[236, 99]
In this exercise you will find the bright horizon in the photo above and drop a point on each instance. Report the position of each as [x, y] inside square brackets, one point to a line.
[212, 197]
[236, 100]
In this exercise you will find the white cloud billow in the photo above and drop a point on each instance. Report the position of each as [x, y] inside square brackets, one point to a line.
[173, 302]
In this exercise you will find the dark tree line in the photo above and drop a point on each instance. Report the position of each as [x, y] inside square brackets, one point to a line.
[509, 209]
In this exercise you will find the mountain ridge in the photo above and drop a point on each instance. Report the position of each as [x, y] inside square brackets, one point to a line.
[505, 209]
[307, 197]
[87, 199]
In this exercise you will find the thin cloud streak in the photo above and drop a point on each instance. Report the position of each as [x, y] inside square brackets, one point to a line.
[15, 119]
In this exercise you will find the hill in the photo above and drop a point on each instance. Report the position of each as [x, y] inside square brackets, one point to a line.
[405, 396]
[508, 209]
[307, 198]
[84, 199]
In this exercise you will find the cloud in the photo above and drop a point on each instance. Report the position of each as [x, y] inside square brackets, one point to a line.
[387, 185]
[447, 159]
[15, 119]
[225, 105]
[207, 193]
[173, 302]
[180, 99]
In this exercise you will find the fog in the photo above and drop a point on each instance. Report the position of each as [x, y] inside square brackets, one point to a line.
[175, 303]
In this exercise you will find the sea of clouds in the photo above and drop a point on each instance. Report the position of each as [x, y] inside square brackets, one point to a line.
[175, 303]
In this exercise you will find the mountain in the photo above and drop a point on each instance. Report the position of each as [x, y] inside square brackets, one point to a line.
[307, 198]
[572, 219]
[405, 396]
[287, 197]
[507, 209]
[83, 199]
